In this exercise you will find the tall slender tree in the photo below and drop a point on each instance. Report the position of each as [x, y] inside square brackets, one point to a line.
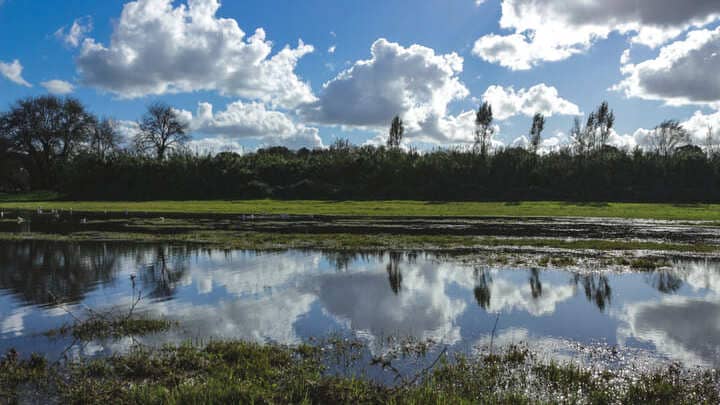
[604, 123]
[580, 142]
[536, 130]
[483, 129]
[397, 130]
[710, 141]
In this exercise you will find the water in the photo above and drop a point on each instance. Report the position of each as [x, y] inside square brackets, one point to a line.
[292, 296]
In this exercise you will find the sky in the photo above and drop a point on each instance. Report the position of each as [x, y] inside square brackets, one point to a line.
[302, 73]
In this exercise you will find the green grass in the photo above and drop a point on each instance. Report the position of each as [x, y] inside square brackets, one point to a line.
[710, 212]
[103, 327]
[243, 372]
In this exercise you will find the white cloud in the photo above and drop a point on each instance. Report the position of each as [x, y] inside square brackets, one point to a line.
[332, 49]
[156, 49]
[250, 121]
[13, 72]
[215, 145]
[79, 29]
[413, 82]
[553, 30]
[59, 87]
[698, 126]
[685, 72]
[541, 98]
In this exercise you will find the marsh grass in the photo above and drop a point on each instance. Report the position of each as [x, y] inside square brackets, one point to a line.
[111, 327]
[243, 372]
[345, 241]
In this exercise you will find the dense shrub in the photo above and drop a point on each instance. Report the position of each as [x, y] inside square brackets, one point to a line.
[380, 173]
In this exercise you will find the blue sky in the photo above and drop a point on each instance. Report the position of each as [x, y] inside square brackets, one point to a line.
[435, 61]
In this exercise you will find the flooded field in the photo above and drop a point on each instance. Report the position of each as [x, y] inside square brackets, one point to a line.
[288, 297]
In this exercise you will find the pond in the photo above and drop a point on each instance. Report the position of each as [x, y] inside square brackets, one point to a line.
[292, 296]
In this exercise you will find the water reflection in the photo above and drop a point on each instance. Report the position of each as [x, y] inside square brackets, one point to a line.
[597, 289]
[290, 296]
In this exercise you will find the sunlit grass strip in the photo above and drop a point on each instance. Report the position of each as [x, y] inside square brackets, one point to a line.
[383, 208]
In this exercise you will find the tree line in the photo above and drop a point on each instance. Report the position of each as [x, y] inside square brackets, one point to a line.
[54, 143]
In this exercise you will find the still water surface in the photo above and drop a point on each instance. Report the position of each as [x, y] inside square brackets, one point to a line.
[291, 296]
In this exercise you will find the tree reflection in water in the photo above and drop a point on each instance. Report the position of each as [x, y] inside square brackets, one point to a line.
[535, 284]
[49, 273]
[483, 282]
[45, 273]
[665, 282]
[166, 271]
[394, 272]
[597, 288]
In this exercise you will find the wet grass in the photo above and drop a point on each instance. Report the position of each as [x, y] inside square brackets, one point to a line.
[346, 241]
[102, 327]
[243, 372]
[709, 212]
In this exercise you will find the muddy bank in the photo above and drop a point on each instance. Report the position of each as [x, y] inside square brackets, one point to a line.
[66, 222]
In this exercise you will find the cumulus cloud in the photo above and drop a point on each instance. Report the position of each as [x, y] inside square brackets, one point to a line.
[74, 35]
[553, 30]
[413, 82]
[13, 72]
[157, 48]
[685, 72]
[249, 120]
[541, 98]
[59, 87]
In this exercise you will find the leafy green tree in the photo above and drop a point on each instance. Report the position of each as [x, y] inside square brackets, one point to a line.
[604, 121]
[397, 130]
[47, 131]
[484, 130]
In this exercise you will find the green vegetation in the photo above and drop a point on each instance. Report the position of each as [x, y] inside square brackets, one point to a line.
[242, 372]
[707, 212]
[101, 327]
[345, 241]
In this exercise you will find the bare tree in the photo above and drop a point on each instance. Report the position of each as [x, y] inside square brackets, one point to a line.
[483, 129]
[104, 138]
[538, 125]
[397, 129]
[161, 130]
[667, 137]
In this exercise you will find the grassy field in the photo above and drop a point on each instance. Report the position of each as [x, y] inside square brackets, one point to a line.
[242, 372]
[710, 212]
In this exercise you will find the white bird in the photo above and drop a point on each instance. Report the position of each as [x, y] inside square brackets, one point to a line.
[2, 214]
[20, 220]
[83, 221]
